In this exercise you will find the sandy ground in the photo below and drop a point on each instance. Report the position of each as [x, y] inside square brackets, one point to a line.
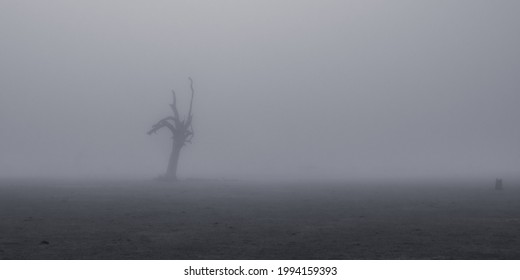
[244, 220]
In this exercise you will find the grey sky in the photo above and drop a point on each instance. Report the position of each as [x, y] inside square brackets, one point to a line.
[330, 89]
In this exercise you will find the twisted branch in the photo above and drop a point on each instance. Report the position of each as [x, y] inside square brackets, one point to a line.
[181, 129]
[163, 123]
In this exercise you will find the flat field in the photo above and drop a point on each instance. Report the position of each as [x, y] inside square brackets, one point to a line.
[48, 219]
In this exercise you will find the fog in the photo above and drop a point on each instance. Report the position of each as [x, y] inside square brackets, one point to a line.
[284, 89]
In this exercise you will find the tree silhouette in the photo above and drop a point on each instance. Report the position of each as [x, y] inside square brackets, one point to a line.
[182, 133]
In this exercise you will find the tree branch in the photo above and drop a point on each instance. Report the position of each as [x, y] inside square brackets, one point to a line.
[182, 130]
[174, 105]
[192, 94]
[162, 123]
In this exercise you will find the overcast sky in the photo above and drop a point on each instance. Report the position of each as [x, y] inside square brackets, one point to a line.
[293, 89]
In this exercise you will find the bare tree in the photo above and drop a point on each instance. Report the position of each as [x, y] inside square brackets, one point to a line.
[182, 133]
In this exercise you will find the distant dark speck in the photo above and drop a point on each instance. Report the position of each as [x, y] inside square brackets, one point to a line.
[44, 242]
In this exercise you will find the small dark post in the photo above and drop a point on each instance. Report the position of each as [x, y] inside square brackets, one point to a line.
[498, 184]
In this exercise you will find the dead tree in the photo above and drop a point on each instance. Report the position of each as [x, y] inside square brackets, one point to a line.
[182, 133]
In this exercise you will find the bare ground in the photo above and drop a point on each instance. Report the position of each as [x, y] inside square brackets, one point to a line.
[245, 220]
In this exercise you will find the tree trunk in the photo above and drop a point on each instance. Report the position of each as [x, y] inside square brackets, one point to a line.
[171, 173]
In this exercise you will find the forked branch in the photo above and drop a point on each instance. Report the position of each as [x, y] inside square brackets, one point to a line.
[182, 129]
[162, 123]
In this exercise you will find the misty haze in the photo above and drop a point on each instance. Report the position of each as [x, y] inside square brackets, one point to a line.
[355, 129]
